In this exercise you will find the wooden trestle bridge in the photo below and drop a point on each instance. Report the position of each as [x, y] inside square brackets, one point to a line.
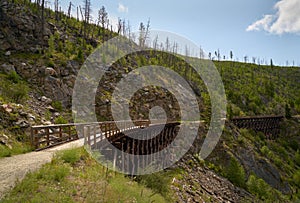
[45, 136]
[269, 125]
[108, 135]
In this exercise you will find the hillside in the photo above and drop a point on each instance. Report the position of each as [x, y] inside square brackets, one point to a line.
[38, 72]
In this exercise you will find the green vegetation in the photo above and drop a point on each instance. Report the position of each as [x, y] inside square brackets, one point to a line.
[261, 189]
[260, 90]
[57, 105]
[297, 158]
[13, 88]
[159, 182]
[73, 176]
[60, 120]
[14, 149]
[280, 155]
[70, 156]
[235, 173]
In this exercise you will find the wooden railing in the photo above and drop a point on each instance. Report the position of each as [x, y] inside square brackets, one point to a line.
[96, 132]
[43, 137]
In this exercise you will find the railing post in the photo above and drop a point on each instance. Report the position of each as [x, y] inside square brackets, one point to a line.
[31, 136]
[60, 133]
[36, 139]
[48, 136]
[106, 130]
[85, 135]
[95, 134]
[89, 135]
[70, 133]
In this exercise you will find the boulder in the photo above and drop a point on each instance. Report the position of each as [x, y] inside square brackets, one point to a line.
[31, 117]
[7, 108]
[51, 109]
[7, 68]
[47, 123]
[46, 100]
[4, 140]
[50, 72]
[22, 124]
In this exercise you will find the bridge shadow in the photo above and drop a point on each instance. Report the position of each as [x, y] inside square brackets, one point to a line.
[129, 154]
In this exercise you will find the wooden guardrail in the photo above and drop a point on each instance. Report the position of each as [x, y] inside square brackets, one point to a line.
[96, 132]
[43, 137]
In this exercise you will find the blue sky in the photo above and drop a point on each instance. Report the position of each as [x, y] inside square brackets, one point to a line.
[254, 28]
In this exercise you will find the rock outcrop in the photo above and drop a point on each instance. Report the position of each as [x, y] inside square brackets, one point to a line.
[21, 30]
[199, 184]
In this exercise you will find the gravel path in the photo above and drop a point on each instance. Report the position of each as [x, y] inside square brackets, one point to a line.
[15, 168]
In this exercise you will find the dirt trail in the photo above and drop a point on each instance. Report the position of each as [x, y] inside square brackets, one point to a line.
[15, 168]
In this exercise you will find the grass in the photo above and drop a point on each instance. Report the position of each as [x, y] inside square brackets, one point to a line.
[13, 88]
[4, 151]
[16, 148]
[160, 182]
[73, 176]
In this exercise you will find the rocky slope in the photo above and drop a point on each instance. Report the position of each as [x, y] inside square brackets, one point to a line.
[200, 184]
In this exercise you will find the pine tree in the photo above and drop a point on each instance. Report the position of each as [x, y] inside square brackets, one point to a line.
[87, 16]
[287, 111]
[271, 63]
[102, 17]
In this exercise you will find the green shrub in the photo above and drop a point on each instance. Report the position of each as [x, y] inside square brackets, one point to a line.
[241, 140]
[258, 187]
[60, 120]
[80, 57]
[48, 114]
[297, 158]
[265, 151]
[288, 111]
[70, 156]
[51, 63]
[296, 178]
[14, 77]
[57, 105]
[158, 182]
[235, 173]
[19, 92]
[261, 136]
[51, 44]
[14, 92]
[246, 133]
[213, 167]
[4, 151]
[53, 172]
[294, 144]
[278, 162]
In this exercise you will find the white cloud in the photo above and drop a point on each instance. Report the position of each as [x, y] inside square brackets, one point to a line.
[122, 8]
[286, 19]
[263, 23]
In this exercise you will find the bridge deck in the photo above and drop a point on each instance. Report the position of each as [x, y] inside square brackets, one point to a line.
[269, 125]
